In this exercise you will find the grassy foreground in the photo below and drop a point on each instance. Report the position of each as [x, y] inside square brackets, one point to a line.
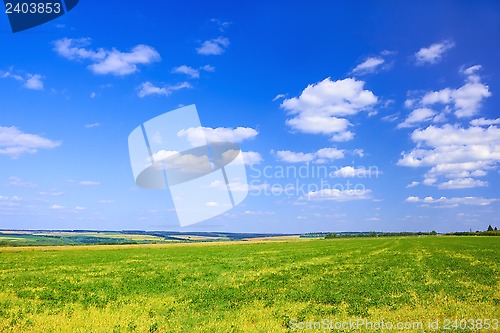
[248, 287]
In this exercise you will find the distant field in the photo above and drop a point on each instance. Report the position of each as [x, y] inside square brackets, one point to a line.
[49, 238]
[260, 286]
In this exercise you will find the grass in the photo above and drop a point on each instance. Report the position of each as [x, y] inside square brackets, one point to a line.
[247, 287]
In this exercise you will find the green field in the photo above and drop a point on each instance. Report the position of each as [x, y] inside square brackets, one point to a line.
[248, 286]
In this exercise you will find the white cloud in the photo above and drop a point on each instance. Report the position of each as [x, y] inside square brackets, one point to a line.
[433, 53]
[485, 122]
[207, 68]
[147, 88]
[212, 204]
[34, 82]
[15, 143]
[471, 70]
[321, 156]
[360, 172]
[338, 195]
[29, 80]
[198, 136]
[412, 184]
[18, 182]
[214, 46]
[319, 124]
[107, 61]
[417, 116]
[92, 125]
[462, 183]
[189, 71]
[457, 154]
[74, 49]
[56, 207]
[464, 101]
[412, 199]
[292, 157]
[445, 202]
[435, 136]
[322, 107]
[330, 153]
[343, 137]
[89, 183]
[279, 96]
[192, 72]
[251, 157]
[370, 65]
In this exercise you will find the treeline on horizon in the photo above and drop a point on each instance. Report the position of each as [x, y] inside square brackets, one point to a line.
[329, 235]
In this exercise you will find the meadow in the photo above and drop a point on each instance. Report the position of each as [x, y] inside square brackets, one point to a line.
[258, 286]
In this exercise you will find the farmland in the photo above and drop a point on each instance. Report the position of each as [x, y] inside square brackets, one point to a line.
[258, 286]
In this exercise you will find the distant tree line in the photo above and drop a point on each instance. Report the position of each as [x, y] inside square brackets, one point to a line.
[330, 235]
[490, 231]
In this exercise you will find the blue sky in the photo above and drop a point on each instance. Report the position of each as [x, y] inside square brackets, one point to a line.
[397, 101]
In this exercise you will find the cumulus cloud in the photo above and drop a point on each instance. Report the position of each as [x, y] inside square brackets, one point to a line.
[485, 122]
[293, 157]
[147, 88]
[192, 72]
[207, 68]
[418, 116]
[214, 46]
[338, 195]
[34, 82]
[412, 184]
[198, 136]
[15, 143]
[322, 107]
[433, 53]
[445, 202]
[104, 61]
[189, 71]
[251, 157]
[457, 154]
[370, 65]
[360, 172]
[464, 101]
[462, 183]
[321, 156]
[29, 80]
